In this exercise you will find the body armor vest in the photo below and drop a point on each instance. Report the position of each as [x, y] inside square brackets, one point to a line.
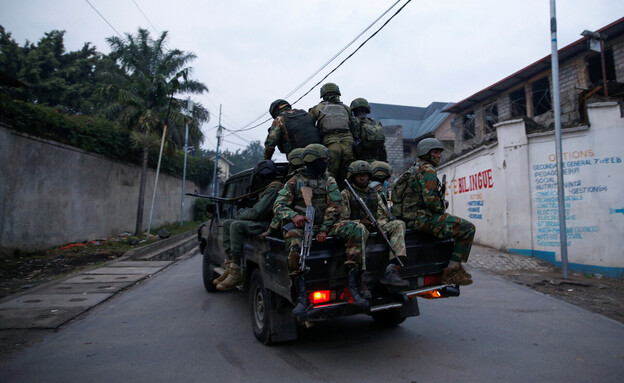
[300, 129]
[319, 196]
[370, 199]
[334, 118]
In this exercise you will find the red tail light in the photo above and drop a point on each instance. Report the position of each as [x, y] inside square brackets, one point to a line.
[432, 280]
[317, 297]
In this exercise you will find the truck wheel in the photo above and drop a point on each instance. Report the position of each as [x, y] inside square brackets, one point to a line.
[390, 318]
[260, 308]
[209, 273]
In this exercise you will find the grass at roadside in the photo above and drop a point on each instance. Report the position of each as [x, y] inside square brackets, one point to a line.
[22, 270]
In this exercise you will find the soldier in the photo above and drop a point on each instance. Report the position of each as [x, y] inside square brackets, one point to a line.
[333, 119]
[359, 175]
[327, 202]
[382, 172]
[369, 136]
[291, 128]
[249, 221]
[421, 205]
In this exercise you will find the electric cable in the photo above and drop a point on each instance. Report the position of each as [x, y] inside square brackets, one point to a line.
[104, 18]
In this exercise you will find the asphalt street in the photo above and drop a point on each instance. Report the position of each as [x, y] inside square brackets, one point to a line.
[168, 328]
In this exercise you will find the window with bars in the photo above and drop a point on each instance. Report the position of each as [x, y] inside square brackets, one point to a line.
[468, 132]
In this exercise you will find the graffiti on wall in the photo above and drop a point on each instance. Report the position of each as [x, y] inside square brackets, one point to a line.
[575, 164]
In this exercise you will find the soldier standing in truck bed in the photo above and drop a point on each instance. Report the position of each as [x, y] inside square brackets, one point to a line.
[333, 118]
[369, 136]
[327, 202]
[291, 129]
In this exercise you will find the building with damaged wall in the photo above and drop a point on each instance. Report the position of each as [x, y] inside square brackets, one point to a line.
[503, 175]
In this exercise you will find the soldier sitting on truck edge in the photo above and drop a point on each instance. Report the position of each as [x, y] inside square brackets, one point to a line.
[327, 202]
[382, 172]
[291, 129]
[249, 221]
[359, 175]
[418, 199]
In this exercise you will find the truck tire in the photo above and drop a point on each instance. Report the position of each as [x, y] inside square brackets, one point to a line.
[208, 272]
[389, 318]
[260, 305]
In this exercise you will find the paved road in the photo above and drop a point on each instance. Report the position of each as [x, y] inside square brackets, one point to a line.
[169, 329]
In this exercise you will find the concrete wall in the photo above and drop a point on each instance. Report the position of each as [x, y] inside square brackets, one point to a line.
[53, 194]
[509, 191]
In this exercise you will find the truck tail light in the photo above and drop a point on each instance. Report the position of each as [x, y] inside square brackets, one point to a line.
[318, 297]
[432, 280]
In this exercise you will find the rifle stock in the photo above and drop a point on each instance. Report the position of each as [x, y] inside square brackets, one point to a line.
[373, 221]
[308, 233]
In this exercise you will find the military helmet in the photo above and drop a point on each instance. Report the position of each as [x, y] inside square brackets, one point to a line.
[426, 145]
[381, 170]
[360, 103]
[265, 168]
[359, 167]
[329, 88]
[277, 106]
[314, 152]
[295, 157]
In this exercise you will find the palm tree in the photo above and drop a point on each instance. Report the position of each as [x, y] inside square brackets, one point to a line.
[144, 93]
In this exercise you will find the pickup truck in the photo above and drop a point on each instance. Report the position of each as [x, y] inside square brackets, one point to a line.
[269, 287]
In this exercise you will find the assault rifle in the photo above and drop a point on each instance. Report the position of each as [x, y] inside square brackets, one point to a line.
[308, 232]
[373, 221]
[443, 192]
[240, 202]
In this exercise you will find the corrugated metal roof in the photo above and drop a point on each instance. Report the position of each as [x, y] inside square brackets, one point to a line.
[416, 121]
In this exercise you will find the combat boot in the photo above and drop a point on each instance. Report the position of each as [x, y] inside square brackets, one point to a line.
[354, 278]
[222, 277]
[364, 291]
[391, 278]
[233, 279]
[302, 296]
[455, 276]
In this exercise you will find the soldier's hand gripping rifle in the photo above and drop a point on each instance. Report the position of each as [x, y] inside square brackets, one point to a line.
[308, 232]
[373, 221]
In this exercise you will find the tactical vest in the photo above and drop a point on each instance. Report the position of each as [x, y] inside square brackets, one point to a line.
[319, 196]
[300, 129]
[334, 118]
[370, 199]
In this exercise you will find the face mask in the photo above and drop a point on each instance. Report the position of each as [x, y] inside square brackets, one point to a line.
[316, 168]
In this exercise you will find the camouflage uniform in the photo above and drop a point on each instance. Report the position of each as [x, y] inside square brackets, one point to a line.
[249, 221]
[327, 201]
[423, 210]
[340, 144]
[351, 210]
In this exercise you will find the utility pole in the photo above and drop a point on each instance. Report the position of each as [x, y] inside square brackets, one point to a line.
[186, 147]
[554, 60]
[216, 165]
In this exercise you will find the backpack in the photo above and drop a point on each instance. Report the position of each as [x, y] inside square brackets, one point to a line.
[372, 135]
[402, 208]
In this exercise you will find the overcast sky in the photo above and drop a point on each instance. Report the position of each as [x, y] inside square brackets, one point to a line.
[251, 52]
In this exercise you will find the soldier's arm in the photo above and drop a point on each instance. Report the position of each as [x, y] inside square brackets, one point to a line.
[273, 138]
[282, 208]
[334, 204]
[346, 207]
[428, 179]
[382, 212]
[261, 208]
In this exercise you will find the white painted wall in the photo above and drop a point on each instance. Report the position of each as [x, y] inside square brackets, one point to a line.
[509, 191]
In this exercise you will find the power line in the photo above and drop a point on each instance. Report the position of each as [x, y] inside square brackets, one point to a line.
[338, 66]
[104, 18]
[146, 18]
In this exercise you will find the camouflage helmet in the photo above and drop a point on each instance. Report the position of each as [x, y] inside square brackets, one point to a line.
[265, 168]
[359, 167]
[360, 103]
[314, 152]
[381, 170]
[295, 157]
[426, 145]
[329, 88]
[277, 106]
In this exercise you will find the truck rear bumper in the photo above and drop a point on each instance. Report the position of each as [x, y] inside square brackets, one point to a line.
[404, 301]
